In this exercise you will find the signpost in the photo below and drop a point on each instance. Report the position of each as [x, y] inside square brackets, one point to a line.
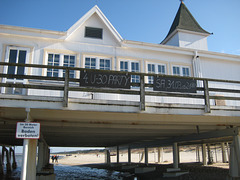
[174, 84]
[105, 79]
[28, 130]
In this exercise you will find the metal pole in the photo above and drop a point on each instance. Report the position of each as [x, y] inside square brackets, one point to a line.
[129, 155]
[146, 155]
[175, 155]
[117, 154]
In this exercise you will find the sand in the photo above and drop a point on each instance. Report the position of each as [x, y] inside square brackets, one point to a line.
[188, 162]
[166, 158]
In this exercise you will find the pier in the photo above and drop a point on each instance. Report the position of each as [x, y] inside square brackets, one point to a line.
[84, 117]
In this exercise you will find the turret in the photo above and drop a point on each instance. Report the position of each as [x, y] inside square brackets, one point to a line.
[186, 32]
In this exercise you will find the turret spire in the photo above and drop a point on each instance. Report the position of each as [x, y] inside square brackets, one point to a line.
[184, 21]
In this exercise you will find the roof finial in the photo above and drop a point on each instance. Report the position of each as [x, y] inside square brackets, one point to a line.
[182, 1]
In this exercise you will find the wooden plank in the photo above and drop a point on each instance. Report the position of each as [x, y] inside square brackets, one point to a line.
[206, 97]
[30, 86]
[131, 73]
[142, 93]
[225, 98]
[104, 90]
[224, 90]
[170, 94]
[13, 76]
[66, 89]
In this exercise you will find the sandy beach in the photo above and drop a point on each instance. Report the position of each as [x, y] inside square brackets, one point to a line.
[186, 156]
[188, 162]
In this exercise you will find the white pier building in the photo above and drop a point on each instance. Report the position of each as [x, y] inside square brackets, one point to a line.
[177, 91]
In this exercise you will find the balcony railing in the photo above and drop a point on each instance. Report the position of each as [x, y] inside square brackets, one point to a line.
[206, 89]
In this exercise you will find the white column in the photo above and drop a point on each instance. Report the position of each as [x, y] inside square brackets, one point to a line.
[175, 155]
[236, 143]
[29, 159]
[204, 154]
[1, 162]
[160, 154]
[224, 158]
[29, 155]
[234, 164]
[43, 156]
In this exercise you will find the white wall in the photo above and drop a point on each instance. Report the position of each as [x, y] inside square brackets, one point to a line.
[219, 66]
[192, 41]
[188, 40]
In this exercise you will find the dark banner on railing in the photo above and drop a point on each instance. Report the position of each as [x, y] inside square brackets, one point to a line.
[105, 79]
[173, 84]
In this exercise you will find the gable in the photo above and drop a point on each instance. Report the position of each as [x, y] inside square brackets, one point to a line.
[99, 29]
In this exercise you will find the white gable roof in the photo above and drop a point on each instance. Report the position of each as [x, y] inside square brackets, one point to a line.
[96, 10]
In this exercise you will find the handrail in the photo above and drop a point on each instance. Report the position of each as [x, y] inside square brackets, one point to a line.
[65, 86]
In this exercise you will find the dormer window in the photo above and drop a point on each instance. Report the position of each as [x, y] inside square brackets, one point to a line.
[92, 32]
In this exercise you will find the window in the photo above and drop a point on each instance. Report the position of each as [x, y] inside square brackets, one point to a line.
[92, 32]
[90, 63]
[131, 66]
[135, 68]
[105, 64]
[19, 55]
[181, 71]
[176, 70]
[69, 61]
[155, 69]
[97, 63]
[53, 60]
[60, 60]
[123, 66]
[185, 71]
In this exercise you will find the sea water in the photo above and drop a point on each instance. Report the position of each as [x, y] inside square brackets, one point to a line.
[64, 172]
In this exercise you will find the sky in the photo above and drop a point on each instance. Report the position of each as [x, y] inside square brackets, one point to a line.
[139, 20]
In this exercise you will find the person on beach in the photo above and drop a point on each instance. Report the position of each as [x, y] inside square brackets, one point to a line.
[52, 159]
[56, 159]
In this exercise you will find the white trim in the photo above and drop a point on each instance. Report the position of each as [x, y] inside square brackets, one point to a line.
[34, 30]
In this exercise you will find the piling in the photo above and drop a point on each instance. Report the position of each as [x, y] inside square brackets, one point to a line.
[14, 163]
[1, 164]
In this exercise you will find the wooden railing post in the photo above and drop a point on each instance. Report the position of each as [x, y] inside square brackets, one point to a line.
[66, 87]
[206, 96]
[142, 93]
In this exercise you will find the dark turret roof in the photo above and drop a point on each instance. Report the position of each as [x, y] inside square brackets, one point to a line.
[185, 21]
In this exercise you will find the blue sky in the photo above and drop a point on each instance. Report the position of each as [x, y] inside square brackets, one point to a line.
[138, 20]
